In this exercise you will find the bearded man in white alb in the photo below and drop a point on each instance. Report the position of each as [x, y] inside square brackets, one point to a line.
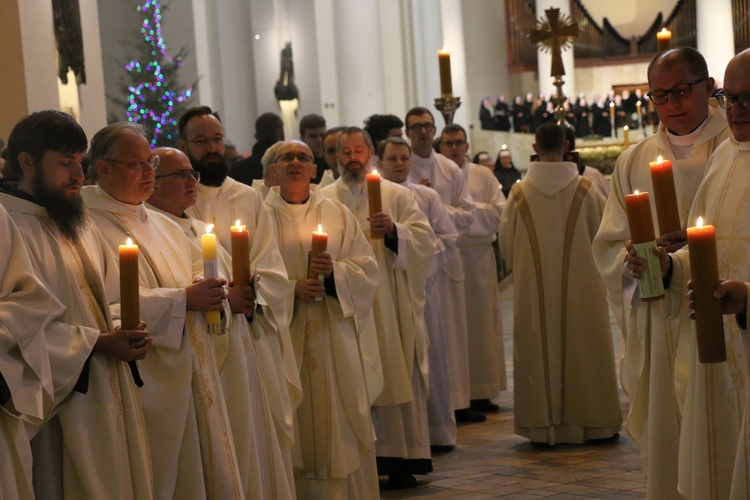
[403, 255]
[222, 201]
[27, 313]
[192, 450]
[78, 268]
[259, 456]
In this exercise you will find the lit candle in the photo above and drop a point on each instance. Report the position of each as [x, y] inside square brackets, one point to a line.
[650, 285]
[319, 244]
[704, 268]
[638, 106]
[444, 61]
[665, 196]
[663, 40]
[130, 311]
[240, 255]
[211, 270]
[612, 117]
[373, 198]
[625, 133]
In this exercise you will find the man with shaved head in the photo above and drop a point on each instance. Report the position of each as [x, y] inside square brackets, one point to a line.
[652, 373]
[259, 454]
[713, 424]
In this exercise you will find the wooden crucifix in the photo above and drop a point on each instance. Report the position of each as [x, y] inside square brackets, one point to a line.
[554, 34]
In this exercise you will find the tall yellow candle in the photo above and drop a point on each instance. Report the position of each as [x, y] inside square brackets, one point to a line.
[211, 270]
[626, 135]
[446, 83]
[129, 304]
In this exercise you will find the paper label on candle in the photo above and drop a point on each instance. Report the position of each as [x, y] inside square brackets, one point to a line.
[650, 284]
[210, 268]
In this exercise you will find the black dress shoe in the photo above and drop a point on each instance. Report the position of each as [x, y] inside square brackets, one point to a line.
[484, 405]
[469, 416]
[401, 481]
[442, 448]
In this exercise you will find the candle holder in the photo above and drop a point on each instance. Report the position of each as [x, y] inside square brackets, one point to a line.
[558, 100]
[447, 105]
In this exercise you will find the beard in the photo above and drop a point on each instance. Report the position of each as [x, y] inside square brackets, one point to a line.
[353, 177]
[213, 173]
[68, 214]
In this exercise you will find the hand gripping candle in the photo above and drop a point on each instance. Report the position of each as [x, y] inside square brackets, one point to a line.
[211, 270]
[704, 268]
[650, 284]
[319, 244]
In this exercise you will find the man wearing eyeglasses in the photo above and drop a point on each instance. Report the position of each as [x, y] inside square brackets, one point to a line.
[334, 337]
[258, 450]
[222, 201]
[719, 394]
[653, 370]
[484, 324]
[192, 452]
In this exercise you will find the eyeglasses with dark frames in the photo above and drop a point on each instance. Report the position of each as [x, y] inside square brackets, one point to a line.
[680, 92]
[726, 101]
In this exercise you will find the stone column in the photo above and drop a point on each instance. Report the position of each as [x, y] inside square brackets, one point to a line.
[715, 35]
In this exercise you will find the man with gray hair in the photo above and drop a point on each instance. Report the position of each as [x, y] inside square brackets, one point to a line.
[192, 451]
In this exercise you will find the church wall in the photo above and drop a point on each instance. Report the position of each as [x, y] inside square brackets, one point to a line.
[485, 45]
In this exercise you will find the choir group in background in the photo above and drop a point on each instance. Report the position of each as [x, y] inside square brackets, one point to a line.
[315, 320]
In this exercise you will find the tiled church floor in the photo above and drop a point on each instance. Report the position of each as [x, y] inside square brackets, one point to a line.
[490, 461]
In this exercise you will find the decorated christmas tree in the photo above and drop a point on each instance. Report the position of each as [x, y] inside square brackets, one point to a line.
[153, 93]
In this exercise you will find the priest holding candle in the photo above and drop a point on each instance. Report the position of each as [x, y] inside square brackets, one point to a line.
[717, 391]
[331, 292]
[220, 200]
[192, 450]
[403, 256]
[240, 353]
[651, 371]
[98, 426]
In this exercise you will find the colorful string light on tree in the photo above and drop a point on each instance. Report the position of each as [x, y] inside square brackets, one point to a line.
[151, 100]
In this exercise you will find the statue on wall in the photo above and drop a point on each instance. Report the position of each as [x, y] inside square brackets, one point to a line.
[69, 39]
[285, 89]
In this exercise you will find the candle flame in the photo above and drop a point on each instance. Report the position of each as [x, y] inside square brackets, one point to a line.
[659, 159]
[320, 229]
[700, 222]
[209, 228]
[626, 127]
[611, 104]
[444, 50]
[664, 30]
[636, 192]
[237, 223]
[375, 172]
[129, 242]
[504, 146]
